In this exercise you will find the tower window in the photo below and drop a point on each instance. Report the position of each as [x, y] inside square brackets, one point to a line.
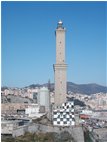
[60, 42]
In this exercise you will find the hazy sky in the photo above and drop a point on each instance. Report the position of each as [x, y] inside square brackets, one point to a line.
[29, 48]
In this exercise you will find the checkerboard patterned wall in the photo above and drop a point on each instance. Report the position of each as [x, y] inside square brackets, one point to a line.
[64, 116]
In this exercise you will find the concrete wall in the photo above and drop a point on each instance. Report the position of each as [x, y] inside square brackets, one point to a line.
[8, 126]
[20, 131]
[77, 132]
[33, 128]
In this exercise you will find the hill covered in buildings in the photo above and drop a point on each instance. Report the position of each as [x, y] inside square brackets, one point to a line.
[88, 89]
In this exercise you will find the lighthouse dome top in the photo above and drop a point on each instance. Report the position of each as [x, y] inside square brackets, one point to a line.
[60, 23]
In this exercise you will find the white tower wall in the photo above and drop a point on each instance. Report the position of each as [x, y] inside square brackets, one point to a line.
[44, 98]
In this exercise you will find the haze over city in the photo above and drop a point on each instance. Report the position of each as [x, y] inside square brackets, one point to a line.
[28, 41]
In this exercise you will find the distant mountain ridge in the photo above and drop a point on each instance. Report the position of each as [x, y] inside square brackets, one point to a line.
[88, 89]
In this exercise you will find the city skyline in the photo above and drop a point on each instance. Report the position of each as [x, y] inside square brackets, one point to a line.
[28, 41]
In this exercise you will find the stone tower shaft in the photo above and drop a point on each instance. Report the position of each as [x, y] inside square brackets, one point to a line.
[60, 66]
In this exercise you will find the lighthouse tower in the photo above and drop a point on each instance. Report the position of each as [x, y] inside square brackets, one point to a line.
[60, 66]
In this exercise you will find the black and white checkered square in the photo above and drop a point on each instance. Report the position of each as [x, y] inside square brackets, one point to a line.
[65, 115]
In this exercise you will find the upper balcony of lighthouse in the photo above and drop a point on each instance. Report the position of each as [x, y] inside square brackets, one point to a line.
[60, 25]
